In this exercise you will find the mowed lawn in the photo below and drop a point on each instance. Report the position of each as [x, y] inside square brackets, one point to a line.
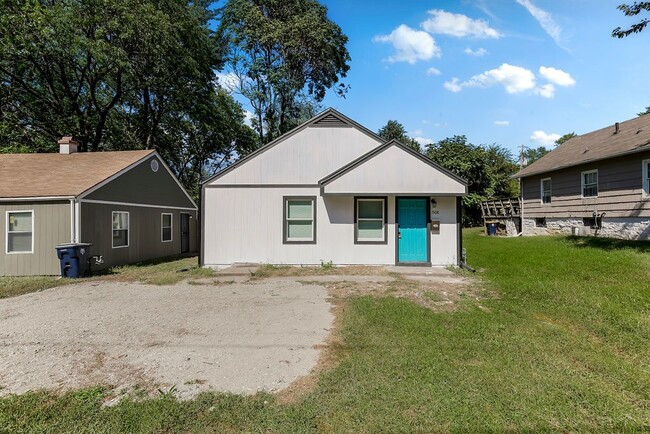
[562, 345]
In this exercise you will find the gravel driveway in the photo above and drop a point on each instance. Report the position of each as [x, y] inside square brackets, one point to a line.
[239, 338]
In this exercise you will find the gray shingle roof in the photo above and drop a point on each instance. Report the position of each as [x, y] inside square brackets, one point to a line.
[633, 136]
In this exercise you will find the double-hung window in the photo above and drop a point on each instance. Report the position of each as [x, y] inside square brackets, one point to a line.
[546, 190]
[370, 220]
[646, 178]
[120, 229]
[590, 183]
[166, 223]
[20, 232]
[300, 220]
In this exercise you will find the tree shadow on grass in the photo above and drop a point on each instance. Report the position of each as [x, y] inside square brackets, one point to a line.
[610, 243]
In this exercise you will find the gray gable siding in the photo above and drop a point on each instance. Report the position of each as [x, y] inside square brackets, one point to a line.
[142, 185]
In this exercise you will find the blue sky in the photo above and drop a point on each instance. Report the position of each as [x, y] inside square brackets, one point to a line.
[510, 72]
[489, 54]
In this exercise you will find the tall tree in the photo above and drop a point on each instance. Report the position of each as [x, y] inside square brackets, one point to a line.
[89, 68]
[632, 11]
[533, 154]
[564, 138]
[282, 54]
[394, 130]
[487, 169]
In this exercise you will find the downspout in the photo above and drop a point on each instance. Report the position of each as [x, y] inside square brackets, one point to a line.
[77, 221]
[200, 226]
[521, 206]
[73, 222]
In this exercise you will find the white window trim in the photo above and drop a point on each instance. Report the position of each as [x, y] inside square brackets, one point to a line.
[645, 181]
[541, 188]
[382, 219]
[582, 183]
[162, 227]
[128, 229]
[15, 211]
[311, 239]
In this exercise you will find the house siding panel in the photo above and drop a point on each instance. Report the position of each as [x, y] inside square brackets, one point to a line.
[313, 154]
[51, 227]
[144, 233]
[246, 225]
[619, 190]
[142, 185]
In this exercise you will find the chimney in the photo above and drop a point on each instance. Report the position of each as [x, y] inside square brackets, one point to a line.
[616, 128]
[68, 145]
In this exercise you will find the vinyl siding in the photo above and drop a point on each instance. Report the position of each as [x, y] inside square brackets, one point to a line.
[619, 190]
[51, 227]
[144, 233]
[246, 225]
[303, 158]
[142, 185]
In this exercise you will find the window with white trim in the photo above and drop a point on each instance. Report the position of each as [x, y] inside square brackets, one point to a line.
[545, 186]
[120, 229]
[646, 178]
[590, 183]
[166, 222]
[370, 224]
[300, 220]
[20, 232]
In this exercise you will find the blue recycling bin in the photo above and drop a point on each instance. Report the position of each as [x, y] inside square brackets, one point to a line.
[492, 229]
[73, 259]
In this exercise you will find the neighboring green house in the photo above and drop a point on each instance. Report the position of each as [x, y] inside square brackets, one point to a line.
[127, 204]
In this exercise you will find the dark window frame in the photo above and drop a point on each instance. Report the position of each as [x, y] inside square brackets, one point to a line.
[584, 185]
[356, 219]
[285, 222]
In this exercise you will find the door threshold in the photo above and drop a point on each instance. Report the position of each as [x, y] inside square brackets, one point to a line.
[413, 264]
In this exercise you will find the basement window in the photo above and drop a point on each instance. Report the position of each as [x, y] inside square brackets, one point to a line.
[120, 229]
[540, 222]
[20, 232]
[589, 221]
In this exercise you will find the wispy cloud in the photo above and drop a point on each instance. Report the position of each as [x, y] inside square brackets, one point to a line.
[410, 45]
[546, 20]
[433, 71]
[477, 53]
[459, 25]
[502, 123]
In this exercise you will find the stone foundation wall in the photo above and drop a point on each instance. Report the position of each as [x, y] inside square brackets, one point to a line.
[625, 228]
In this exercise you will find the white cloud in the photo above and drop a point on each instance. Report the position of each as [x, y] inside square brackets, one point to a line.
[514, 79]
[545, 19]
[433, 71]
[453, 85]
[423, 141]
[546, 91]
[458, 25]
[410, 45]
[557, 76]
[542, 138]
[228, 81]
[502, 123]
[248, 118]
[478, 53]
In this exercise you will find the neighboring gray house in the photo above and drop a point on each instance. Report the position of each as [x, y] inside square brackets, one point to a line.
[597, 183]
[331, 190]
[127, 204]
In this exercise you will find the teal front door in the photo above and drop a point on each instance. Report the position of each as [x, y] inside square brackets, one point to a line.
[412, 242]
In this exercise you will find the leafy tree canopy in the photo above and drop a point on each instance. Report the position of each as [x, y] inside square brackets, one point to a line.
[533, 154]
[564, 138]
[487, 169]
[94, 70]
[284, 55]
[644, 112]
[394, 130]
[630, 11]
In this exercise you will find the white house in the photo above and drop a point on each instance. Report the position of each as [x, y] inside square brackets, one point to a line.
[332, 190]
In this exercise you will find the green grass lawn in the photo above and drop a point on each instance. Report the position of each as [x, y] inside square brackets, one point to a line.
[564, 345]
